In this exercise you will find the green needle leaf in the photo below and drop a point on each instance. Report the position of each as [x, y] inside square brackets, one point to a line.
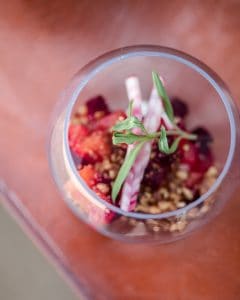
[129, 123]
[124, 170]
[163, 95]
[163, 143]
[128, 138]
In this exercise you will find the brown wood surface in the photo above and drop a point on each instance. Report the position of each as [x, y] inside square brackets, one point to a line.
[42, 44]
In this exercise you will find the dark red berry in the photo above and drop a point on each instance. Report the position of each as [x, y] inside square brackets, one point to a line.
[180, 108]
[97, 104]
[203, 135]
[157, 168]
[204, 138]
[154, 178]
[181, 124]
[160, 158]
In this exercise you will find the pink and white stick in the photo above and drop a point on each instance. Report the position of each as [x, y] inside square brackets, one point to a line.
[134, 94]
[132, 183]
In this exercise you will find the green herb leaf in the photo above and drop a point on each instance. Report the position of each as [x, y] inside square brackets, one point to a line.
[124, 170]
[163, 143]
[128, 138]
[129, 123]
[163, 95]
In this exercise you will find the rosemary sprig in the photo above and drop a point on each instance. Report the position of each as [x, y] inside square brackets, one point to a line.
[163, 95]
[123, 134]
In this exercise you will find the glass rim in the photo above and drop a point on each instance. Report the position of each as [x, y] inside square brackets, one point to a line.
[95, 66]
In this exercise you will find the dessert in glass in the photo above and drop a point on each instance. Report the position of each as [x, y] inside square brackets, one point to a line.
[145, 144]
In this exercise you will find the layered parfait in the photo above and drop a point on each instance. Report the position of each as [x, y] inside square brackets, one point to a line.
[143, 159]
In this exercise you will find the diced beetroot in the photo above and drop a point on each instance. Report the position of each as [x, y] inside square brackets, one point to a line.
[205, 160]
[154, 177]
[94, 147]
[97, 104]
[203, 135]
[180, 108]
[198, 159]
[204, 138]
[76, 133]
[157, 167]
[188, 154]
[160, 158]
[109, 121]
[181, 124]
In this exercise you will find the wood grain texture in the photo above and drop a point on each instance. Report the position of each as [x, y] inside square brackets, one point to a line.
[42, 44]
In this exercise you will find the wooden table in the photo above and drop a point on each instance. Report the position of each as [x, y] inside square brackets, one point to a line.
[42, 44]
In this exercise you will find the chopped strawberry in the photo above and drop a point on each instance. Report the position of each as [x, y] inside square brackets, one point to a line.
[76, 133]
[96, 104]
[94, 147]
[110, 120]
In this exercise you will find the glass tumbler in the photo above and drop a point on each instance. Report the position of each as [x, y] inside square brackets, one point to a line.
[210, 104]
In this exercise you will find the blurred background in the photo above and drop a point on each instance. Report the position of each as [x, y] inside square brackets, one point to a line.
[42, 44]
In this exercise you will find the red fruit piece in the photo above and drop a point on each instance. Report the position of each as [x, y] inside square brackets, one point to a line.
[188, 154]
[76, 133]
[194, 156]
[154, 178]
[94, 147]
[180, 108]
[88, 174]
[203, 136]
[205, 160]
[96, 104]
[181, 123]
[109, 121]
